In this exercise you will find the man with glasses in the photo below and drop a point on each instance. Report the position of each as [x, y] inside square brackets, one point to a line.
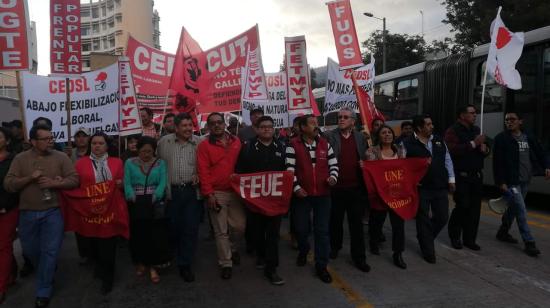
[259, 154]
[216, 159]
[348, 195]
[516, 157]
[36, 174]
[468, 151]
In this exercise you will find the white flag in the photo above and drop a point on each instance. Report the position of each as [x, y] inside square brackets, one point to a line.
[504, 52]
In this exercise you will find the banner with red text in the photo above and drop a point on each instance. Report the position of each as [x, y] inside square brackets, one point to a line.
[297, 75]
[130, 120]
[94, 101]
[393, 184]
[65, 41]
[276, 107]
[345, 35]
[98, 210]
[253, 83]
[151, 71]
[339, 90]
[267, 193]
[14, 36]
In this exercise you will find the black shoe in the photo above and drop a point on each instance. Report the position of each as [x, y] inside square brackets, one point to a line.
[41, 302]
[260, 263]
[456, 243]
[531, 249]
[236, 258]
[27, 270]
[333, 254]
[226, 272]
[187, 274]
[362, 266]
[374, 248]
[398, 260]
[323, 274]
[301, 260]
[274, 278]
[106, 288]
[504, 236]
[430, 258]
[472, 246]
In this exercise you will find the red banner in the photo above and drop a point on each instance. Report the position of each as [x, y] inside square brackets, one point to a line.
[65, 42]
[151, 71]
[345, 36]
[98, 210]
[297, 76]
[267, 193]
[393, 184]
[14, 36]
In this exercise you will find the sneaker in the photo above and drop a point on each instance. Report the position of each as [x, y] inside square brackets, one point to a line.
[301, 260]
[531, 249]
[274, 278]
[260, 263]
[323, 274]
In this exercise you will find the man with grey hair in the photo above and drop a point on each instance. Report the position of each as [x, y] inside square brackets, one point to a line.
[348, 195]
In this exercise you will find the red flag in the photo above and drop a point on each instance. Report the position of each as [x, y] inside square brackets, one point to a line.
[97, 210]
[267, 193]
[188, 70]
[367, 109]
[393, 184]
[345, 36]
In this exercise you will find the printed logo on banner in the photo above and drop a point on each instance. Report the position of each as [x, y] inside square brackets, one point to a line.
[100, 84]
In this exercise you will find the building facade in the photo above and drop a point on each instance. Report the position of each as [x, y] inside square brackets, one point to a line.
[106, 24]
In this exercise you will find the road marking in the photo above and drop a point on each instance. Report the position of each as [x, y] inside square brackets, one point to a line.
[352, 296]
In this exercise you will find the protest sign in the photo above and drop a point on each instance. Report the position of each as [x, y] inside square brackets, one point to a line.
[94, 101]
[65, 42]
[345, 35]
[297, 71]
[276, 107]
[130, 120]
[14, 36]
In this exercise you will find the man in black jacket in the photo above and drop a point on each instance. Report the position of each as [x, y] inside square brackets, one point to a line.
[264, 153]
[468, 150]
[434, 186]
[516, 157]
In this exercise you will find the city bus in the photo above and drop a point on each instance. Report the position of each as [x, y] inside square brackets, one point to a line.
[440, 86]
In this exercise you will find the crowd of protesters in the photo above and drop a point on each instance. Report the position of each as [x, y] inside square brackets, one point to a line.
[170, 179]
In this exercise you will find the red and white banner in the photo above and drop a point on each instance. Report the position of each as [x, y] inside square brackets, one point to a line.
[267, 193]
[253, 84]
[300, 99]
[65, 41]
[393, 184]
[504, 52]
[345, 35]
[130, 121]
[14, 36]
[151, 71]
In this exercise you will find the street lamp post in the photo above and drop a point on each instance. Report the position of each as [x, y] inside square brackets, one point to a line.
[383, 19]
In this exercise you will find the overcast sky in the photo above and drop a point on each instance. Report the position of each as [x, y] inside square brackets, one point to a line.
[212, 22]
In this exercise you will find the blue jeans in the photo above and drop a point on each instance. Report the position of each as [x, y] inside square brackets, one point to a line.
[41, 235]
[516, 210]
[184, 212]
[321, 220]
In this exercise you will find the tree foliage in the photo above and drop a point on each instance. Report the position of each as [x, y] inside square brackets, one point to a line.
[470, 20]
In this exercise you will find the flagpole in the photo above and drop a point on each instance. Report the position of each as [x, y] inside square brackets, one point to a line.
[21, 105]
[68, 108]
[164, 112]
[362, 111]
[483, 100]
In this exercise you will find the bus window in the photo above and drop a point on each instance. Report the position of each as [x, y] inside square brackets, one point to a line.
[525, 100]
[545, 138]
[406, 104]
[384, 98]
[494, 93]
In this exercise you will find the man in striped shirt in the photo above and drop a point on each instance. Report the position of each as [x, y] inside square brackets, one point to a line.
[315, 168]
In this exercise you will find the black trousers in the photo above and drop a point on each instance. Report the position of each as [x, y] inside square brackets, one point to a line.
[376, 223]
[265, 231]
[464, 220]
[103, 252]
[348, 201]
[427, 228]
[83, 245]
[149, 241]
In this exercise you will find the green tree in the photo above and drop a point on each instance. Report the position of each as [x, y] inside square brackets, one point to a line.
[470, 20]
[401, 50]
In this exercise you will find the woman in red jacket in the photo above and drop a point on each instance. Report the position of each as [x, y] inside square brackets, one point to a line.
[97, 168]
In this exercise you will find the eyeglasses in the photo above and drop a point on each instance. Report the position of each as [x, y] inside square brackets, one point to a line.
[344, 117]
[510, 119]
[50, 138]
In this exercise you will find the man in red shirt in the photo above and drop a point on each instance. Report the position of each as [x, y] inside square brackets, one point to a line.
[216, 159]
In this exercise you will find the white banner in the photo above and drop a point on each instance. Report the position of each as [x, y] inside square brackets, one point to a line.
[299, 88]
[277, 105]
[130, 121]
[94, 101]
[339, 87]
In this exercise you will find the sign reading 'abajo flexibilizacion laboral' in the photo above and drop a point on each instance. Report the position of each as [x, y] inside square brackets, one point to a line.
[94, 101]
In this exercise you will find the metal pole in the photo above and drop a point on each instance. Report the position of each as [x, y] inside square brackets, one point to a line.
[384, 45]
[422, 16]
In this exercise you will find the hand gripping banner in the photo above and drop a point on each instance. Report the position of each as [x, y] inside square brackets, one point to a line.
[393, 184]
[267, 193]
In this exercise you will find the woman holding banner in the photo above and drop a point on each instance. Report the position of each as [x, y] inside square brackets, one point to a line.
[145, 178]
[385, 149]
